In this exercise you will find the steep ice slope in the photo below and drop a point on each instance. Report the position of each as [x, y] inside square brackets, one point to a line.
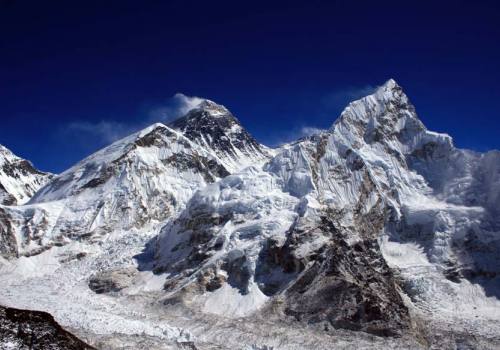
[19, 180]
[212, 126]
[326, 224]
[141, 179]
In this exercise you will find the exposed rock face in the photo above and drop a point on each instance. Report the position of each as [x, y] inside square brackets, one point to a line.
[348, 286]
[213, 126]
[19, 180]
[112, 281]
[209, 168]
[8, 243]
[24, 329]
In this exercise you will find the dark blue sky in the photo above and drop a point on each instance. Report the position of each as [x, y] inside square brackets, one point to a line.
[74, 74]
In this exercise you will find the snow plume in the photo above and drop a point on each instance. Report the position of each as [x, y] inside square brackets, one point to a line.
[176, 107]
[324, 109]
[309, 130]
[294, 134]
[337, 100]
[107, 131]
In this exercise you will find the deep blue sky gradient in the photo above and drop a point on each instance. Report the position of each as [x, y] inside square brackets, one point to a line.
[278, 66]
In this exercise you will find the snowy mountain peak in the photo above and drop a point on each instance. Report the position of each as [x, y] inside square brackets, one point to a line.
[6, 154]
[205, 111]
[214, 109]
[391, 84]
[19, 179]
[390, 90]
[213, 126]
[386, 115]
[134, 183]
[4, 150]
[388, 97]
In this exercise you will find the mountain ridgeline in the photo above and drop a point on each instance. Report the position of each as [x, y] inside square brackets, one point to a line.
[374, 227]
[19, 180]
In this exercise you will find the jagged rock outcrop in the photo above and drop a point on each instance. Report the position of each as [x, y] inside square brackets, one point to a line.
[112, 280]
[25, 329]
[344, 286]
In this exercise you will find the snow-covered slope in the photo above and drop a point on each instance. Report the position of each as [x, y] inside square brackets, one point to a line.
[375, 225]
[141, 179]
[19, 180]
[212, 126]
[328, 222]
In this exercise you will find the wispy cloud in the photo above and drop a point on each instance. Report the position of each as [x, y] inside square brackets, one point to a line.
[294, 134]
[340, 98]
[309, 130]
[175, 107]
[107, 131]
[322, 109]
[327, 107]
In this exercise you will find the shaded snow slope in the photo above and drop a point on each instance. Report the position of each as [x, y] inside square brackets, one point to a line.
[19, 180]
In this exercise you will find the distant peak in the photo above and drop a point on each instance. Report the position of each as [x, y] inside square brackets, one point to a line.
[7, 154]
[206, 114]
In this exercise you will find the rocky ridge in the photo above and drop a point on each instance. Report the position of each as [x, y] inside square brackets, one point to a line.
[213, 126]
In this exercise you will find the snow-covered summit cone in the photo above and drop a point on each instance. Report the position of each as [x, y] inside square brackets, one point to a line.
[19, 179]
[139, 180]
[213, 126]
